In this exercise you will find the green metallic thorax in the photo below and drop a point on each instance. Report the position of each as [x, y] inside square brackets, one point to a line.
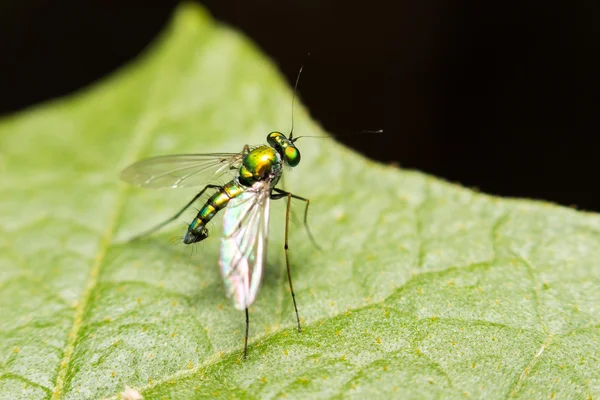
[259, 164]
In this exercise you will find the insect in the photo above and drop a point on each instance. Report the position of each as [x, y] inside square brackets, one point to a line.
[245, 198]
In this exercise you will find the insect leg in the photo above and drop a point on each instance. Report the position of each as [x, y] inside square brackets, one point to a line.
[246, 338]
[174, 217]
[282, 193]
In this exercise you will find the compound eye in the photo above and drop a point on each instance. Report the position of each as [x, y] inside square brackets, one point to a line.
[273, 138]
[292, 156]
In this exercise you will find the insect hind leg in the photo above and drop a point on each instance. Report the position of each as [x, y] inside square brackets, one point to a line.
[174, 217]
[246, 336]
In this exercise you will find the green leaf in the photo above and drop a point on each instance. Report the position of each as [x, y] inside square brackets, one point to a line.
[423, 289]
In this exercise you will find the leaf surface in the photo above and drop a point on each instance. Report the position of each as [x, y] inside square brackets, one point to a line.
[423, 290]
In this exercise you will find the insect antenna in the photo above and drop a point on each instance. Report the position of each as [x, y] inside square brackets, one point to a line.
[294, 99]
[377, 131]
[295, 94]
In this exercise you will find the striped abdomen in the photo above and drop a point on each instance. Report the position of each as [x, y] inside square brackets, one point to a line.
[197, 230]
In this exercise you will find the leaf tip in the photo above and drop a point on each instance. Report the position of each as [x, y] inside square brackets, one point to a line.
[190, 15]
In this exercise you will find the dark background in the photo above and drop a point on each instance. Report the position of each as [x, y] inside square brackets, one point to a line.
[495, 95]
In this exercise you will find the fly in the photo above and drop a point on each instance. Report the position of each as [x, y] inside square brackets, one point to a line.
[246, 200]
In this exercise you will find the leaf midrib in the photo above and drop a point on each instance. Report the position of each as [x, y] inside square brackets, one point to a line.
[141, 133]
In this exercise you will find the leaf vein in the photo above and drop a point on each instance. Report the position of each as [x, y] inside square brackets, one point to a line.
[143, 129]
[525, 373]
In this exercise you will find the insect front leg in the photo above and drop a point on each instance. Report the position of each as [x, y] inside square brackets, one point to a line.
[281, 194]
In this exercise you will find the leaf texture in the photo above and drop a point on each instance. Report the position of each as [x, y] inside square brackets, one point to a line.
[423, 289]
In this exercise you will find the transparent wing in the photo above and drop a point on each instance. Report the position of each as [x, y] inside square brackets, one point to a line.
[244, 241]
[181, 170]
